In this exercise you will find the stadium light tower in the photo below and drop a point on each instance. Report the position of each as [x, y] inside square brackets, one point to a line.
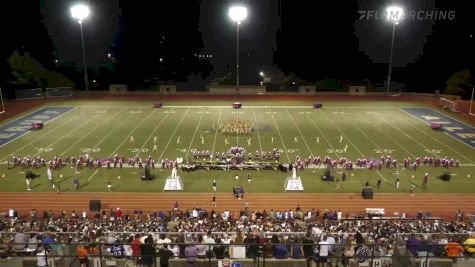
[81, 12]
[237, 14]
[394, 15]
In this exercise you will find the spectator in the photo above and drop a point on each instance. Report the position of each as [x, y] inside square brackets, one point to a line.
[362, 254]
[21, 240]
[33, 244]
[413, 244]
[219, 249]
[296, 251]
[209, 241]
[191, 254]
[453, 250]
[337, 251]
[117, 250]
[308, 248]
[281, 251]
[251, 246]
[174, 248]
[324, 251]
[41, 257]
[348, 252]
[201, 247]
[163, 239]
[147, 251]
[135, 245]
[165, 254]
[82, 255]
[47, 241]
[469, 244]
[181, 246]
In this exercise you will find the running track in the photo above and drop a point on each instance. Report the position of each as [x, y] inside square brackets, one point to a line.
[440, 205]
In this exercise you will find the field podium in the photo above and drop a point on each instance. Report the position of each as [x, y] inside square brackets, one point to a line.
[293, 184]
[173, 184]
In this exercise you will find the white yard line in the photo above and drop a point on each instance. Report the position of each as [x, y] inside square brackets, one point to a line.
[154, 130]
[173, 134]
[194, 134]
[435, 139]
[104, 138]
[342, 133]
[380, 175]
[411, 138]
[92, 175]
[257, 129]
[323, 135]
[216, 132]
[280, 135]
[237, 134]
[298, 129]
[36, 139]
[111, 131]
[84, 136]
[131, 133]
[388, 136]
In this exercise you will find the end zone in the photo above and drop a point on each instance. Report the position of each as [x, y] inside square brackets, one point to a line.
[21, 126]
[459, 130]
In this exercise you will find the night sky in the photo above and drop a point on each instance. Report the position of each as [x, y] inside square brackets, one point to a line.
[161, 41]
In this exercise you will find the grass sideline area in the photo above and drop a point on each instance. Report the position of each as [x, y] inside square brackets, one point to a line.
[369, 129]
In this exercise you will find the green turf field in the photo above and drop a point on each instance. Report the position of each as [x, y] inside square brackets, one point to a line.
[369, 129]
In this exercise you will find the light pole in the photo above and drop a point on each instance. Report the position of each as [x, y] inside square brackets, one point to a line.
[261, 73]
[394, 14]
[80, 12]
[237, 14]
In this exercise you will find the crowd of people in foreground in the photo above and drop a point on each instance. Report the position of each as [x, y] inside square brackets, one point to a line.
[198, 233]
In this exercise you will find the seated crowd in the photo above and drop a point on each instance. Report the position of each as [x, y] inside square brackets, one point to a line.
[279, 234]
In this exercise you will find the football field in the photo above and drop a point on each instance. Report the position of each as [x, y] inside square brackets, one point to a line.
[352, 130]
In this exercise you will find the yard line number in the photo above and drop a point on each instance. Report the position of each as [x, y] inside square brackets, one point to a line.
[383, 151]
[89, 149]
[435, 151]
[289, 150]
[137, 150]
[338, 151]
[44, 149]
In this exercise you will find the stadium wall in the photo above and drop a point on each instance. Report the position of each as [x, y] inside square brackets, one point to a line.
[233, 90]
[247, 91]
[308, 90]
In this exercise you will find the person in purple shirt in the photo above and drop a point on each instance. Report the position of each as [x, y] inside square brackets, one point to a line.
[413, 244]
[191, 254]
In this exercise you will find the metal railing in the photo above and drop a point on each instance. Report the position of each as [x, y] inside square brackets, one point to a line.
[398, 253]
